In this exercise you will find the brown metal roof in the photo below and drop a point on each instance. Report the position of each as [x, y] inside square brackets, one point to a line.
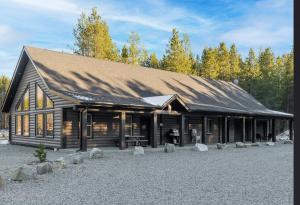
[65, 72]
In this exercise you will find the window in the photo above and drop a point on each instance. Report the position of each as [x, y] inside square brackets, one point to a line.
[39, 125]
[89, 125]
[25, 125]
[128, 125]
[49, 124]
[18, 125]
[209, 125]
[39, 97]
[42, 100]
[24, 102]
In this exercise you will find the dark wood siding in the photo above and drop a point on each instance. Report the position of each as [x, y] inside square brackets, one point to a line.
[213, 135]
[30, 78]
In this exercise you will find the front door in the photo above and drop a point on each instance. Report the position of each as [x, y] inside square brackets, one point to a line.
[145, 128]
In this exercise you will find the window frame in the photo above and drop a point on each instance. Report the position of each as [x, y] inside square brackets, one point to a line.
[36, 125]
[16, 125]
[21, 100]
[45, 124]
[23, 124]
[44, 100]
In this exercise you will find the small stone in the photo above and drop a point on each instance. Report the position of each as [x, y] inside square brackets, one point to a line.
[24, 173]
[44, 168]
[77, 159]
[200, 147]
[96, 153]
[240, 145]
[138, 150]
[60, 163]
[169, 148]
[270, 143]
[288, 142]
[221, 146]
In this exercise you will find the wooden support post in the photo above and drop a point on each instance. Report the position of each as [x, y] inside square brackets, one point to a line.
[220, 130]
[224, 130]
[83, 130]
[253, 130]
[181, 136]
[204, 130]
[122, 143]
[291, 129]
[244, 130]
[227, 130]
[9, 128]
[273, 131]
[153, 130]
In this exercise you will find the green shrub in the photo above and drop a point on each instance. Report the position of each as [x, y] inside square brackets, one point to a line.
[40, 153]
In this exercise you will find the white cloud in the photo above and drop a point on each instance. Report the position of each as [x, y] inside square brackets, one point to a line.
[7, 35]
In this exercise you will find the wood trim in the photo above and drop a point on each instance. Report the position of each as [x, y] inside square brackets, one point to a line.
[122, 130]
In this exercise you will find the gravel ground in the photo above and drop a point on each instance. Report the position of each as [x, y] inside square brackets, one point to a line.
[255, 175]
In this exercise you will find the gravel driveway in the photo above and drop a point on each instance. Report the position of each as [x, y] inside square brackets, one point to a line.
[255, 175]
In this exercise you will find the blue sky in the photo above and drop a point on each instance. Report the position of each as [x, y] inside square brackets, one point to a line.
[248, 23]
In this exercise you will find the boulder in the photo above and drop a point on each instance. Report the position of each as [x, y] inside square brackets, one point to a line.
[200, 147]
[270, 143]
[287, 142]
[25, 172]
[44, 168]
[77, 159]
[240, 145]
[2, 183]
[96, 153]
[221, 146]
[169, 148]
[60, 163]
[255, 144]
[138, 150]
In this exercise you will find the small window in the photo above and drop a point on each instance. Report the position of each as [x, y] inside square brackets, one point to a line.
[49, 102]
[89, 125]
[39, 97]
[24, 102]
[128, 125]
[25, 125]
[49, 124]
[18, 125]
[39, 125]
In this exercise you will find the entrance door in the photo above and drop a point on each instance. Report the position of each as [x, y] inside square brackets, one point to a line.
[145, 128]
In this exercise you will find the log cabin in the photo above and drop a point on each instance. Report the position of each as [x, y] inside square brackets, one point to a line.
[66, 100]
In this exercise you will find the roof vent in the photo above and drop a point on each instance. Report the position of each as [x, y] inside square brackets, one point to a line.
[236, 81]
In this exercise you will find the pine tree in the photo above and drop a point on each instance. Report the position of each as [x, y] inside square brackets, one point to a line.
[176, 59]
[234, 61]
[209, 63]
[134, 50]
[223, 62]
[92, 38]
[124, 54]
[4, 83]
[144, 57]
[153, 61]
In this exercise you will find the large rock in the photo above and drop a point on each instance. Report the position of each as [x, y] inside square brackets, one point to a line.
[138, 150]
[288, 142]
[270, 143]
[256, 144]
[60, 163]
[221, 146]
[77, 159]
[200, 147]
[25, 172]
[169, 147]
[96, 153]
[44, 168]
[240, 145]
[2, 183]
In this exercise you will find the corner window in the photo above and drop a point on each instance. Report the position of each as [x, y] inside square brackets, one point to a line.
[24, 102]
[42, 100]
[89, 125]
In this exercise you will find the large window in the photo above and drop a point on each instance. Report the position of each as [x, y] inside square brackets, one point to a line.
[18, 125]
[25, 125]
[39, 125]
[42, 100]
[49, 124]
[24, 102]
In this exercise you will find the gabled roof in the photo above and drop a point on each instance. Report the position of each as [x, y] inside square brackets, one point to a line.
[70, 73]
[164, 100]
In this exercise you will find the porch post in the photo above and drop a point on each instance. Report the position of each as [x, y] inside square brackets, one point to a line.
[122, 144]
[9, 128]
[273, 131]
[83, 131]
[204, 130]
[244, 130]
[224, 130]
[220, 130]
[182, 123]
[253, 130]
[153, 130]
[291, 129]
